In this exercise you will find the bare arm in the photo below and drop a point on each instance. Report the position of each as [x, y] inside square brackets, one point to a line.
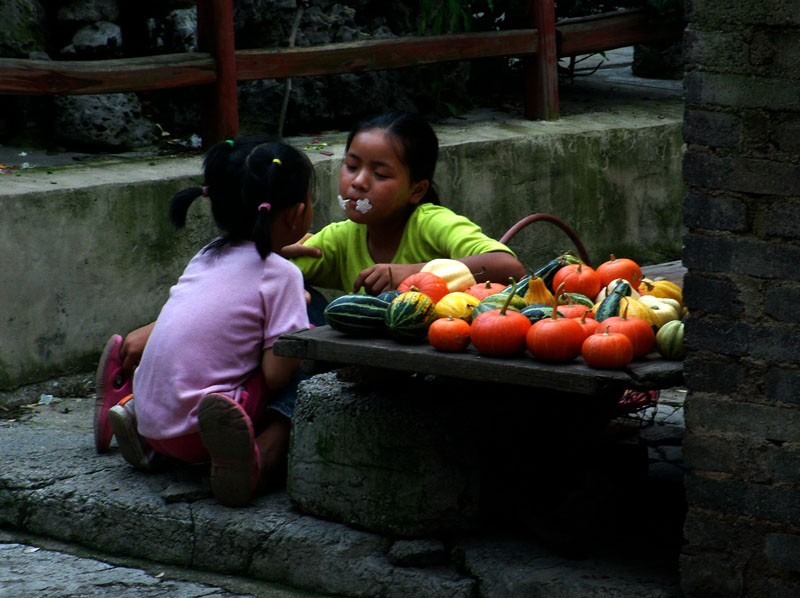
[300, 250]
[133, 347]
[495, 266]
[277, 369]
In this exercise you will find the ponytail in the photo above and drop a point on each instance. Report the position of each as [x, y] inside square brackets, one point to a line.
[262, 233]
[179, 205]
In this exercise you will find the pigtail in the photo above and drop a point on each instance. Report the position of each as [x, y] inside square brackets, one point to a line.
[180, 202]
[262, 231]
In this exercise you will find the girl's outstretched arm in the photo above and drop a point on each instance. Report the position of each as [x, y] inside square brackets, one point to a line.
[299, 250]
[495, 266]
[277, 369]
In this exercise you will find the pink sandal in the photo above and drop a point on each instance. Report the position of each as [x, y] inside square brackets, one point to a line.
[110, 387]
[227, 434]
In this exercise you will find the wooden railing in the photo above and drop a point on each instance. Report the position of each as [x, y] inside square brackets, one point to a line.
[220, 66]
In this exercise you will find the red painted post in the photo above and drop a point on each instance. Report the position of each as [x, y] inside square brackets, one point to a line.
[221, 106]
[541, 69]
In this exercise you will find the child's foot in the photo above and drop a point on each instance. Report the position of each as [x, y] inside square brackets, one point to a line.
[122, 419]
[110, 386]
[227, 434]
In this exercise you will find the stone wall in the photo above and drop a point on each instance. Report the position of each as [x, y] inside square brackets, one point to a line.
[742, 251]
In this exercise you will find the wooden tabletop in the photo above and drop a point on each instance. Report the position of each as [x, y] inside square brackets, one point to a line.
[327, 345]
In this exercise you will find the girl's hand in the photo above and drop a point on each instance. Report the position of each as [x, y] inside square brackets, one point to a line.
[375, 280]
[300, 250]
[133, 347]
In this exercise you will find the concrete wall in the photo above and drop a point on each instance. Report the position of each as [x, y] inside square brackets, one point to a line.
[88, 251]
[742, 250]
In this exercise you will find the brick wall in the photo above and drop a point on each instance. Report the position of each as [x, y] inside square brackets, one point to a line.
[742, 251]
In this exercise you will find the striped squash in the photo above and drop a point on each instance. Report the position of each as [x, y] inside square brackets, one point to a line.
[357, 315]
[409, 316]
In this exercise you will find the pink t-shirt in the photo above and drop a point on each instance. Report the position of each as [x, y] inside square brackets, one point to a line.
[224, 311]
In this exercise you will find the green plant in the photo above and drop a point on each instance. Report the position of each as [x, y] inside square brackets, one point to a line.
[448, 16]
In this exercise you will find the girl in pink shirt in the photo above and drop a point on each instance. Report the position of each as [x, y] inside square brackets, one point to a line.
[207, 380]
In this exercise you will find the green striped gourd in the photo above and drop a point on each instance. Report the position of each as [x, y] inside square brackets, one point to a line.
[409, 315]
[357, 315]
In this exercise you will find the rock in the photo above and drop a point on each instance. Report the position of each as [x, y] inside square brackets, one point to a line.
[174, 34]
[110, 121]
[22, 28]
[417, 553]
[88, 11]
[100, 40]
[393, 461]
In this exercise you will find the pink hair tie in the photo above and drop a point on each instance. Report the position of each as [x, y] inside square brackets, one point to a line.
[266, 206]
[205, 191]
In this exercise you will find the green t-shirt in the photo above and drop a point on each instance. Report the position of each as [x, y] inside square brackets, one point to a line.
[431, 232]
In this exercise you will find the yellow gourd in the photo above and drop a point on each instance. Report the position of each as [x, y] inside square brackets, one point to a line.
[456, 305]
[456, 274]
[664, 289]
[538, 292]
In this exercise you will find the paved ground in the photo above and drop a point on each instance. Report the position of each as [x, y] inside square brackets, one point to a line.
[74, 523]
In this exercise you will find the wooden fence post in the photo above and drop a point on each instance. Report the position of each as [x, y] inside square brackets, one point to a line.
[541, 69]
[220, 107]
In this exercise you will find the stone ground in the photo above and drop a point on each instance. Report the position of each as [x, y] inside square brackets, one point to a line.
[75, 524]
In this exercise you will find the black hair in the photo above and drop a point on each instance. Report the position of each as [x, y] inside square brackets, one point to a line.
[418, 141]
[240, 175]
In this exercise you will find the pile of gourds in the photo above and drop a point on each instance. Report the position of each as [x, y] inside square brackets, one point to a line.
[610, 315]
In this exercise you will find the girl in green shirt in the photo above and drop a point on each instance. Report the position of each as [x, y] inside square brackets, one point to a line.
[393, 216]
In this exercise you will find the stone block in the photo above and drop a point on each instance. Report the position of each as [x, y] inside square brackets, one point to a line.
[717, 335]
[783, 384]
[758, 460]
[746, 12]
[703, 252]
[417, 457]
[714, 212]
[716, 129]
[713, 295]
[766, 422]
[782, 218]
[717, 375]
[747, 175]
[783, 551]
[737, 497]
[386, 460]
[741, 91]
[710, 574]
[755, 258]
[714, 47]
[774, 343]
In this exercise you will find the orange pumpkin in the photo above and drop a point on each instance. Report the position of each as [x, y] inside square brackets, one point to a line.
[449, 334]
[500, 331]
[608, 350]
[578, 278]
[482, 290]
[619, 268]
[427, 283]
[555, 339]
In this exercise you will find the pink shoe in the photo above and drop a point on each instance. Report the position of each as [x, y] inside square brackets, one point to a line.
[227, 434]
[110, 387]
